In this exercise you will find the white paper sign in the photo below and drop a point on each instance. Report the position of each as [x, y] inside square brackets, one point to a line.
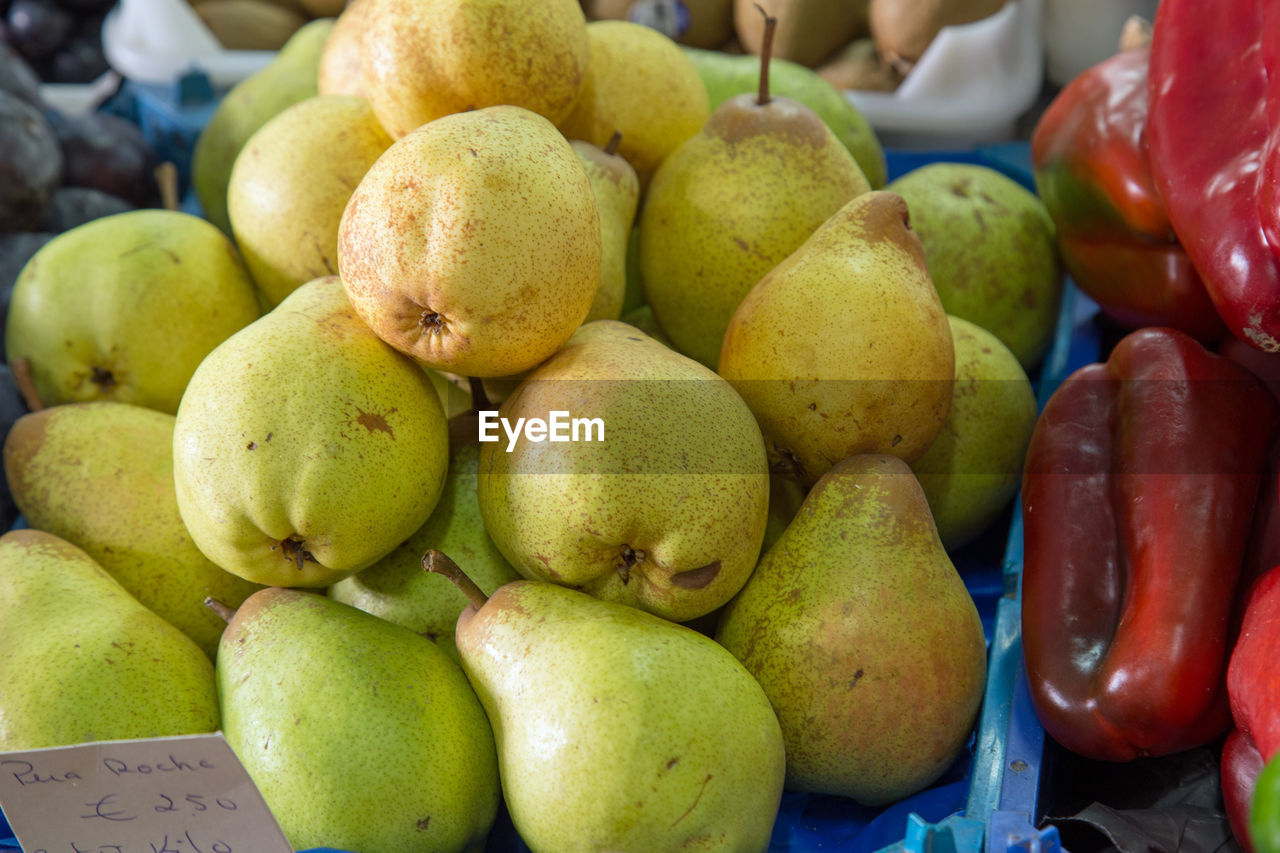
[185, 794]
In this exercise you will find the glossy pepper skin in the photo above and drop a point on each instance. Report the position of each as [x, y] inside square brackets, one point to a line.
[1137, 498]
[1213, 136]
[1089, 156]
[1264, 814]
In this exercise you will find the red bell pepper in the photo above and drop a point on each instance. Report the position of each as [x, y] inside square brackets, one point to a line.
[1213, 135]
[1253, 675]
[1089, 156]
[1137, 496]
[1240, 766]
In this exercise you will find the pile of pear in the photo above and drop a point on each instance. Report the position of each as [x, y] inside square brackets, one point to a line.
[259, 501]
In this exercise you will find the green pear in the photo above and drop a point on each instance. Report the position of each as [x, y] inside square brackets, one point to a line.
[359, 733]
[619, 730]
[641, 85]
[731, 203]
[289, 77]
[973, 468]
[423, 59]
[305, 448]
[290, 184]
[397, 589]
[473, 244]
[864, 637]
[726, 75]
[844, 348]
[992, 251]
[125, 307]
[617, 192]
[659, 496]
[100, 475]
[81, 660]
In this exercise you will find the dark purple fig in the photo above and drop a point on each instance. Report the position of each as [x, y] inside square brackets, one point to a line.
[15, 250]
[108, 153]
[30, 164]
[37, 28]
[18, 78]
[73, 206]
[79, 61]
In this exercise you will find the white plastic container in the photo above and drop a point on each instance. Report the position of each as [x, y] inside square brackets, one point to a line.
[155, 41]
[1079, 34]
[971, 85]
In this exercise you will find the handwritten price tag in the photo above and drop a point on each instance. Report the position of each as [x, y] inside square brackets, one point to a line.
[163, 795]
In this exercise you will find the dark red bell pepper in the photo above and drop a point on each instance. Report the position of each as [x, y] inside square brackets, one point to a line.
[1241, 764]
[1137, 496]
[1213, 135]
[1089, 156]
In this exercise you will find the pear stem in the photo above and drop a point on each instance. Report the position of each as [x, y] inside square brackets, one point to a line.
[21, 369]
[439, 562]
[611, 147]
[766, 51]
[479, 399]
[221, 609]
[166, 175]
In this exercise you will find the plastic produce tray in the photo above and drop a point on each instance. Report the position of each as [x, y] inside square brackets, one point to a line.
[989, 799]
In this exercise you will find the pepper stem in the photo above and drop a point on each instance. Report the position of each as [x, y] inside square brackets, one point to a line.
[439, 562]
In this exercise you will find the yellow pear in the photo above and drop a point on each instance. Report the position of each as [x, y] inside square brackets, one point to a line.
[423, 59]
[660, 503]
[305, 448]
[291, 183]
[640, 84]
[732, 202]
[339, 71]
[473, 244]
[617, 195]
[844, 348]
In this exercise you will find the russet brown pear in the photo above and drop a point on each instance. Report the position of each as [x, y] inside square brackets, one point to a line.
[844, 347]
